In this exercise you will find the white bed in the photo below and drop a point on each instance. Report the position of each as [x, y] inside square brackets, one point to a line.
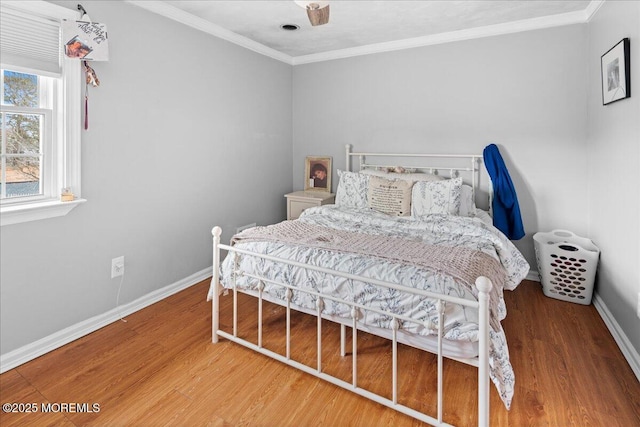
[421, 280]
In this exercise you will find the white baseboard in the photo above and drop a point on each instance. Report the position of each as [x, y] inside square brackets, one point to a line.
[629, 352]
[533, 275]
[58, 339]
[627, 349]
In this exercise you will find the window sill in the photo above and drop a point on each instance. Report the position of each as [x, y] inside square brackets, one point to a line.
[36, 211]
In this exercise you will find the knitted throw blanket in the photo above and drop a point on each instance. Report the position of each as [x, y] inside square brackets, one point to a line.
[459, 262]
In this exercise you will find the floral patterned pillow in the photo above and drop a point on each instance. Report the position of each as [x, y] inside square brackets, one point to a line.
[352, 189]
[436, 197]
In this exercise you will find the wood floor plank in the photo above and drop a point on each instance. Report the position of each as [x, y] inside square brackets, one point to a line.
[160, 368]
[14, 386]
[87, 351]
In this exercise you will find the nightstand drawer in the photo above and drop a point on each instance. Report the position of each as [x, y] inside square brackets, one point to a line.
[298, 201]
[297, 206]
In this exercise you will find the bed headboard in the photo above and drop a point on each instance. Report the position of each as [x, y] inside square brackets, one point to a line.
[466, 166]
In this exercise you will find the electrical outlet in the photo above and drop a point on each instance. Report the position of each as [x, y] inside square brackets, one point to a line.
[117, 267]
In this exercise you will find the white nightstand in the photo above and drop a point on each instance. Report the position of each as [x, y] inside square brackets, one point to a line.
[301, 200]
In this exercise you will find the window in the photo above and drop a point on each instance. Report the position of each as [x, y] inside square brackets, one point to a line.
[26, 123]
[40, 93]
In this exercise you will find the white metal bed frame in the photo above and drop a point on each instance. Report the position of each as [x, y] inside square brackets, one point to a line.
[483, 284]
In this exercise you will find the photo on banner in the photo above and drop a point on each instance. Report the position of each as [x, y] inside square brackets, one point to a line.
[85, 40]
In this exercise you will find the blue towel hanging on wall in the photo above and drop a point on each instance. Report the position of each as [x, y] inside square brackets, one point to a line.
[506, 210]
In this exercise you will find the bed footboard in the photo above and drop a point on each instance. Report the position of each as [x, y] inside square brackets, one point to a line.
[483, 284]
[215, 280]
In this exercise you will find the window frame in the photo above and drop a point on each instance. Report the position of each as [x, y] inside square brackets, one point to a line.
[47, 154]
[66, 130]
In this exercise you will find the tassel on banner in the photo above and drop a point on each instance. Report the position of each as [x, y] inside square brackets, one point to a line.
[90, 79]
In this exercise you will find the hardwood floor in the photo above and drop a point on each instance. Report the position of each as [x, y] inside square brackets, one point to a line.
[160, 368]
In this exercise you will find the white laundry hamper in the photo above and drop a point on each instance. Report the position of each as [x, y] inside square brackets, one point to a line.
[567, 265]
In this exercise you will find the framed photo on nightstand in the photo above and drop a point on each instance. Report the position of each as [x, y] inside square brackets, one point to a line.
[317, 174]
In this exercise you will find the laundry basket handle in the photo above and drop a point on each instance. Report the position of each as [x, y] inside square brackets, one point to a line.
[563, 233]
[566, 247]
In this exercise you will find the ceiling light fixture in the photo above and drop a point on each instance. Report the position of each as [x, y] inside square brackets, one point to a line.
[317, 11]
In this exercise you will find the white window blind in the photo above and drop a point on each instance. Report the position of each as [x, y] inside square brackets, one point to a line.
[29, 41]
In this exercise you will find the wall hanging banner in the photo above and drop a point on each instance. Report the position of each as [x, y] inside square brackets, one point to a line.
[85, 40]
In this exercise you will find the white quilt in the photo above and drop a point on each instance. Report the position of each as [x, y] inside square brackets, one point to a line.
[437, 229]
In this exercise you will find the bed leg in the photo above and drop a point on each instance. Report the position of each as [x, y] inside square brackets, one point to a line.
[215, 280]
[343, 339]
[484, 286]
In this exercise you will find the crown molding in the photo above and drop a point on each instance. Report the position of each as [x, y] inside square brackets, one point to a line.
[592, 8]
[171, 12]
[578, 17]
[168, 11]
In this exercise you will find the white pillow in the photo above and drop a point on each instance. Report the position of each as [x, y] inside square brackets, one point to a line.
[484, 216]
[390, 196]
[467, 204]
[404, 176]
[436, 197]
[352, 189]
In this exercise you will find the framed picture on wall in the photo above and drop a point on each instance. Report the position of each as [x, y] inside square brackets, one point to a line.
[616, 73]
[317, 174]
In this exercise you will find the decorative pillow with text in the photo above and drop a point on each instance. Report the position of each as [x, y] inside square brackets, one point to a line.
[390, 196]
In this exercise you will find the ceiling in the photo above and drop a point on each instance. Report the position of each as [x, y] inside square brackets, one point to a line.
[360, 26]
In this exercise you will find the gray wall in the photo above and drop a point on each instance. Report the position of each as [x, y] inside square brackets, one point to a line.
[186, 132]
[614, 169]
[525, 92]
